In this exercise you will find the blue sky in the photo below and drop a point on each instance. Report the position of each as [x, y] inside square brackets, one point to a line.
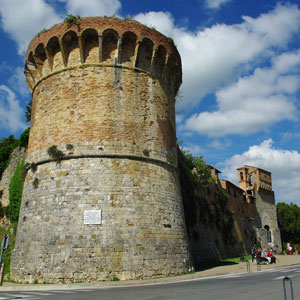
[240, 98]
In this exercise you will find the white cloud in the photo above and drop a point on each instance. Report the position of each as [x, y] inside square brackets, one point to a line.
[179, 118]
[10, 111]
[273, 26]
[216, 56]
[16, 78]
[254, 102]
[18, 83]
[22, 20]
[92, 7]
[5, 68]
[287, 62]
[220, 145]
[287, 136]
[194, 149]
[216, 4]
[283, 164]
[162, 21]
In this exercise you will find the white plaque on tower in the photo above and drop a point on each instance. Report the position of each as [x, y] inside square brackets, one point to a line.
[92, 217]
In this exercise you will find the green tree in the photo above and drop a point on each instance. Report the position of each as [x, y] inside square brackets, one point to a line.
[289, 222]
[15, 192]
[28, 111]
[7, 145]
[23, 142]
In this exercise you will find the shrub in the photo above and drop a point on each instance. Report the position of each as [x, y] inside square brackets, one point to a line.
[70, 20]
[115, 278]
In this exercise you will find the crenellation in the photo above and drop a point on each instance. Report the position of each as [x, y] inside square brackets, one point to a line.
[128, 49]
[144, 55]
[109, 46]
[90, 43]
[53, 51]
[142, 49]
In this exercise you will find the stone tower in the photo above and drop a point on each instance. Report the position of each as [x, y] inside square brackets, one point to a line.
[257, 184]
[101, 196]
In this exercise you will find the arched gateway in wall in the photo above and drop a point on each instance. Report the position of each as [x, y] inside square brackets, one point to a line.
[101, 195]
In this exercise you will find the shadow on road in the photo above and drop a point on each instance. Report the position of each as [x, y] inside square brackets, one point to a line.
[212, 264]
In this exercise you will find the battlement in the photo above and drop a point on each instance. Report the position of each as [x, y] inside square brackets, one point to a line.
[106, 42]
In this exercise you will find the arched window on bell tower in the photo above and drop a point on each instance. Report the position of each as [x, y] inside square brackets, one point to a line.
[251, 180]
[269, 234]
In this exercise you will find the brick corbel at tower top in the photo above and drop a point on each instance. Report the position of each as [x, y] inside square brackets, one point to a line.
[110, 42]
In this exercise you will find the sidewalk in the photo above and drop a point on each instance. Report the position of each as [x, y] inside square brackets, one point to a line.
[282, 260]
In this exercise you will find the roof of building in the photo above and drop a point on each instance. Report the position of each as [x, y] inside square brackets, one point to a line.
[211, 167]
[232, 184]
[247, 166]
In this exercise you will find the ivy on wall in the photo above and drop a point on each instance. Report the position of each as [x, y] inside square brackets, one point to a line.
[15, 193]
[208, 207]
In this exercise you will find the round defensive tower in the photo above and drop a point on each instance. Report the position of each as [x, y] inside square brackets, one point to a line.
[101, 197]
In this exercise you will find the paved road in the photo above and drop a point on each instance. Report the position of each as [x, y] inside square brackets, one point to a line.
[265, 285]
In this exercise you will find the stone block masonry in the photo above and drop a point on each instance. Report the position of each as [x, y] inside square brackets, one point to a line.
[140, 234]
[103, 93]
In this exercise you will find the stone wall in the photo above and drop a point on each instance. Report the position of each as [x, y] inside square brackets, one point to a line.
[253, 210]
[142, 233]
[211, 232]
[266, 220]
[257, 184]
